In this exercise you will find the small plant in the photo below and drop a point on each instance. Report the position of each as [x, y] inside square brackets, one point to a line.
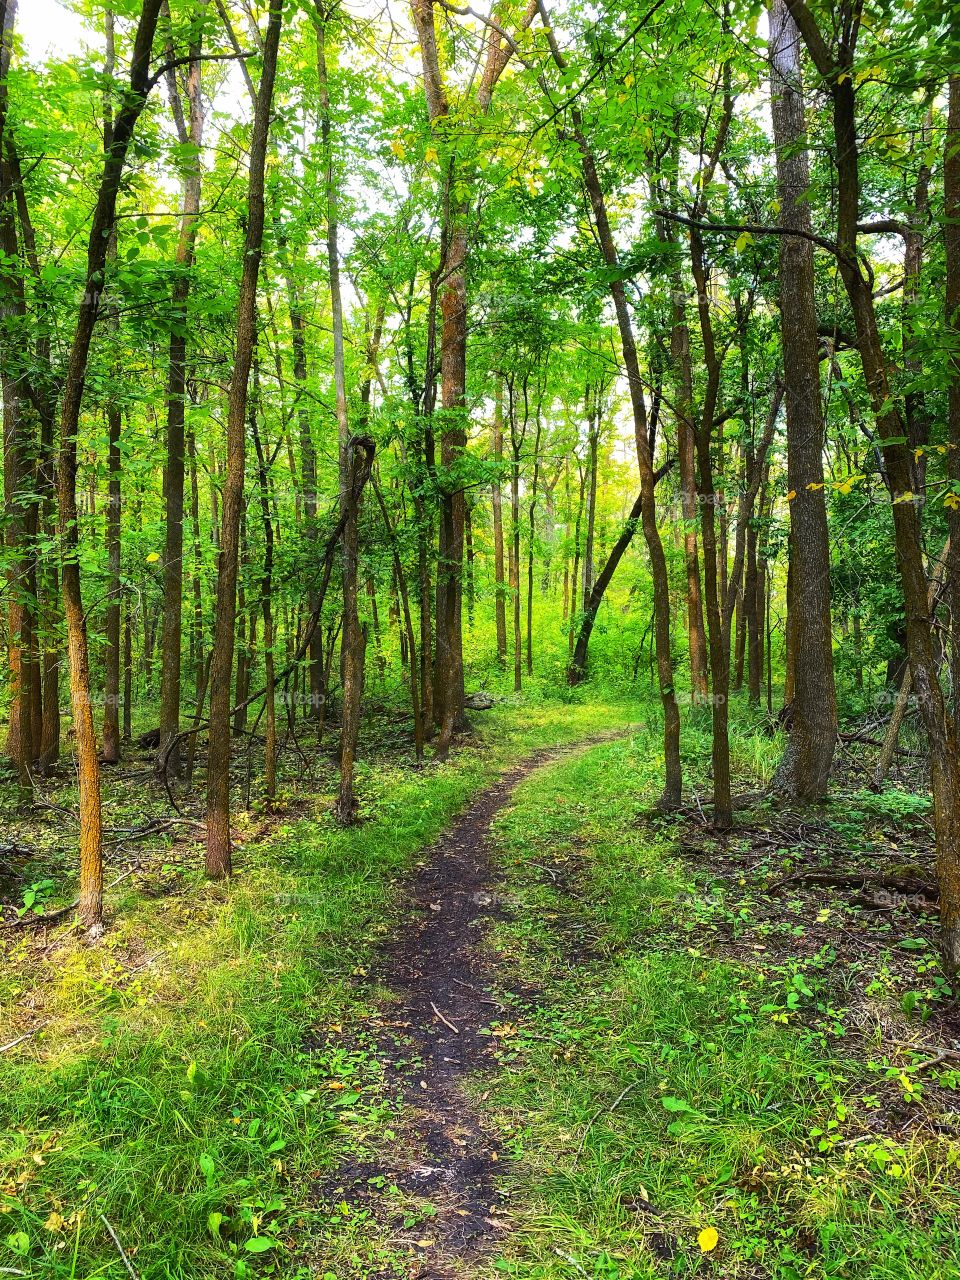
[36, 895]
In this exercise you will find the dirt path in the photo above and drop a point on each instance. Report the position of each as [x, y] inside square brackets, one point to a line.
[450, 1156]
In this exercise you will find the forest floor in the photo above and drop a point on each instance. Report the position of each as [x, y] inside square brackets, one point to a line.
[515, 1023]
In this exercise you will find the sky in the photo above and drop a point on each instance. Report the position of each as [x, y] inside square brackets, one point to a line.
[48, 27]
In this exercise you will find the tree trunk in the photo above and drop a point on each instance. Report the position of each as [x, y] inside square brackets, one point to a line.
[496, 502]
[190, 134]
[658, 562]
[218, 852]
[111, 686]
[134, 99]
[352, 643]
[922, 653]
[951, 243]
[804, 772]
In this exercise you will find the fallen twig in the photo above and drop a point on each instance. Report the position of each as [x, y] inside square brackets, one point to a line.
[116, 1240]
[27, 1035]
[609, 1111]
[446, 1021]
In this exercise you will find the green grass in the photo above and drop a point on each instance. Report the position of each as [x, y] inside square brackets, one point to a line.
[738, 1113]
[175, 1088]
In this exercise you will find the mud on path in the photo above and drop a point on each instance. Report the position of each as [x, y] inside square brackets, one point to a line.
[438, 1034]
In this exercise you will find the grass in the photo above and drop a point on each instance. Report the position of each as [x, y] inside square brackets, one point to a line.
[197, 1073]
[659, 1089]
[189, 1077]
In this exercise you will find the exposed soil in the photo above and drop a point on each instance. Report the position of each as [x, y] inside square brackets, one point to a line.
[441, 1031]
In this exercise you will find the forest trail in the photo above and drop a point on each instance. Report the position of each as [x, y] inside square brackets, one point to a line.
[436, 1035]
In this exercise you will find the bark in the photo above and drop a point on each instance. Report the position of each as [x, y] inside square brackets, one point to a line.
[17, 461]
[266, 606]
[455, 243]
[658, 562]
[111, 684]
[951, 243]
[838, 74]
[804, 772]
[101, 227]
[190, 133]
[218, 851]
[352, 643]
[496, 503]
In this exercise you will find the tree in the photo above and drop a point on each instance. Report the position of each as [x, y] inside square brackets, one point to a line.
[218, 851]
[804, 772]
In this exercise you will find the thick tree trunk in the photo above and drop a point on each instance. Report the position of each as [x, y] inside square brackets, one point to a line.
[951, 244]
[922, 652]
[218, 852]
[804, 772]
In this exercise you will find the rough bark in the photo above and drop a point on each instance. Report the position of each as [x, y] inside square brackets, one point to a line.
[837, 71]
[804, 772]
[218, 850]
[190, 133]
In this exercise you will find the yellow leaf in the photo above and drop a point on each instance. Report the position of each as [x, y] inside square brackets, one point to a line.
[708, 1239]
[398, 149]
[813, 485]
[55, 1222]
[335, 1084]
[904, 497]
[791, 495]
[153, 557]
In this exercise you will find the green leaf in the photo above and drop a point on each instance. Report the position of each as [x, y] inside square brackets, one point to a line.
[259, 1244]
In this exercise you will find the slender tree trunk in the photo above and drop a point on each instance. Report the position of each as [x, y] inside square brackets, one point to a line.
[353, 641]
[515, 571]
[134, 99]
[530, 547]
[190, 134]
[496, 502]
[651, 532]
[266, 598]
[218, 852]
[111, 689]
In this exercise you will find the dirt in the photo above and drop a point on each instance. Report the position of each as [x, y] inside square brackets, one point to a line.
[442, 1030]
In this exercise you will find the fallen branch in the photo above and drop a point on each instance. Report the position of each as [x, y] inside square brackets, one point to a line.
[858, 880]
